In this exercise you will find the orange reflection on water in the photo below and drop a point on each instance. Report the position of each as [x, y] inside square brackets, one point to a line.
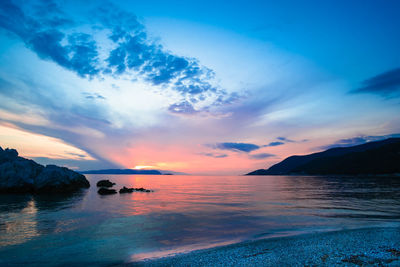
[19, 225]
[175, 193]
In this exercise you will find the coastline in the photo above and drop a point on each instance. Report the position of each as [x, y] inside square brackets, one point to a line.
[367, 246]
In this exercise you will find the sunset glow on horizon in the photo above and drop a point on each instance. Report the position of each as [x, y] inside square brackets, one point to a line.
[139, 167]
[195, 87]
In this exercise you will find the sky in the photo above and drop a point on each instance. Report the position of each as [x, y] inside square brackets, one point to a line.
[199, 87]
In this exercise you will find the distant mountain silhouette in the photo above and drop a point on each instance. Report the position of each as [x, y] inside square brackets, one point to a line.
[380, 157]
[122, 171]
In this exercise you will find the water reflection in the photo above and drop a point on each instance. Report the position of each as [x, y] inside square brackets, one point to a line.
[55, 202]
[19, 221]
[202, 210]
[187, 212]
[349, 197]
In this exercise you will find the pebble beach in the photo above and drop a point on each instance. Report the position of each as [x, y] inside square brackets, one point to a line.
[362, 247]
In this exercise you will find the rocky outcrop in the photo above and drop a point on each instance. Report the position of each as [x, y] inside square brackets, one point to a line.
[18, 174]
[142, 190]
[130, 190]
[106, 191]
[126, 190]
[59, 179]
[105, 183]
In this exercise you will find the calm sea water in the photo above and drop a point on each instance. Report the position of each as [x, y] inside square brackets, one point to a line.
[186, 213]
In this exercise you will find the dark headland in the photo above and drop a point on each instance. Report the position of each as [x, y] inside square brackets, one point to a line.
[20, 175]
[373, 158]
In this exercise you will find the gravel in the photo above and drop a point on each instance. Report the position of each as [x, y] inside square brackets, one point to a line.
[362, 247]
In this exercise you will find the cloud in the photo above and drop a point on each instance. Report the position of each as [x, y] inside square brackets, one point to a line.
[41, 33]
[358, 140]
[261, 156]
[182, 108]
[387, 84]
[214, 155]
[284, 139]
[114, 126]
[80, 164]
[238, 147]
[55, 36]
[53, 115]
[82, 156]
[93, 96]
[135, 53]
[278, 143]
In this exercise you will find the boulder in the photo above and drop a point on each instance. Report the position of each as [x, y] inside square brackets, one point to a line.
[105, 183]
[18, 174]
[59, 179]
[106, 191]
[130, 190]
[126, 190]
[143, 190]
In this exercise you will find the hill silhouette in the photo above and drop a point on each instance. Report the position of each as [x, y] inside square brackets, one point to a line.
[380, 157]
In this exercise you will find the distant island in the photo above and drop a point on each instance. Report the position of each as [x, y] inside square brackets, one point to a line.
[380, 157]
[122, 171]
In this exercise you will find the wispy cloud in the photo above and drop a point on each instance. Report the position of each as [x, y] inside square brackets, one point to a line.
[284, 139]
[386, 84]
[238, 147]
[93, 96]
[77, 154]
[261, 156]
[358, 140]
[77, 164]
[214, 155]
[277, 143]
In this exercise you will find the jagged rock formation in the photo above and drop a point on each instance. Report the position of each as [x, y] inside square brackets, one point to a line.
[18, 174]
[105, 183]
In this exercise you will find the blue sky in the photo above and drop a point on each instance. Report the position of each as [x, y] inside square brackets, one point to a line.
[218, 87]
[359, 32]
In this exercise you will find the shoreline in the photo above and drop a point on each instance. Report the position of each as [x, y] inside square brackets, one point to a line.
[366, 246]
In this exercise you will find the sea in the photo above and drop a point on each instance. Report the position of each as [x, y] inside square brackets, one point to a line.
[185, 213]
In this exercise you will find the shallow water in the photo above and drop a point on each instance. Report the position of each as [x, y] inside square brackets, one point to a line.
[186, 213]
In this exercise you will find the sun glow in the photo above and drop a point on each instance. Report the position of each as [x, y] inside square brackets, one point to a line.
[141, 167]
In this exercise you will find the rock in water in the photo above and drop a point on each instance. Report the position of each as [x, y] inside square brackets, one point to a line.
[59, 179]
[106, 191]
[130, 190]
[18, 174]
[105, 183]
[126, 190]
